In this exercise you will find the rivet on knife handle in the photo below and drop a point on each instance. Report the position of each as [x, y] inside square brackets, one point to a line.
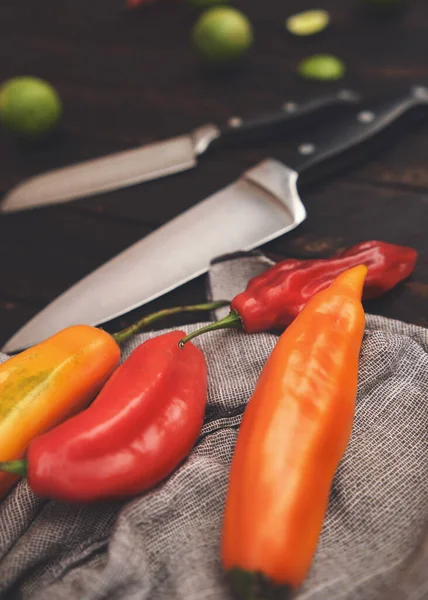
[351, 139]
[290, 116]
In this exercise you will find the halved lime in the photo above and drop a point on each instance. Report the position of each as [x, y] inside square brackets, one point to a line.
[29, 106]
[325, 67]
[308, 22]
[222, 34]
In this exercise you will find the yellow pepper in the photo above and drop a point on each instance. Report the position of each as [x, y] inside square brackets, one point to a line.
[46, 384]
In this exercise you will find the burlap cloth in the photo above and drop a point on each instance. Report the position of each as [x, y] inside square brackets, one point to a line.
[165, 544]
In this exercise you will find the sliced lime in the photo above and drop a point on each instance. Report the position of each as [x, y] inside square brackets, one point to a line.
[308, 22]
[325, 67]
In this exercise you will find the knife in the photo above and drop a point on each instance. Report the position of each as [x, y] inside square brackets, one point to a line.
[261, 205]
[166, 157]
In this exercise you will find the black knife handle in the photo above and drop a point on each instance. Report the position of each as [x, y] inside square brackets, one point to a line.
[352, 137]
[292, 115]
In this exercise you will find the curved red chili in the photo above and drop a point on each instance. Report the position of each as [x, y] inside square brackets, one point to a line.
[275, 298]
[143, 423]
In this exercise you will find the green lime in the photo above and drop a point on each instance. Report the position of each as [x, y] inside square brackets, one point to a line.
[205, 3]
[308, 22]
[29, 106]
[222, 34]
[325, 67]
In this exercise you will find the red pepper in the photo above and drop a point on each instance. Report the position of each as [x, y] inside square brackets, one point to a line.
[143, 423]
[275, 298]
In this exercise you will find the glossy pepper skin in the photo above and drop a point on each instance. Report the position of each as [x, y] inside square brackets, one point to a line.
[141, 425]
[294, 433]
[274, 299]
[278, 295]
[48, 383]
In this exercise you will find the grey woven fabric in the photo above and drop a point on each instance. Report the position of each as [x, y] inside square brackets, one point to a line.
[165, 544]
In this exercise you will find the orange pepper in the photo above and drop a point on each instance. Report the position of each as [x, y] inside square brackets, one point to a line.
[294, 433]
[46, 384]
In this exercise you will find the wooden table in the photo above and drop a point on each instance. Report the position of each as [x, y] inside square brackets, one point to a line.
[128, 78]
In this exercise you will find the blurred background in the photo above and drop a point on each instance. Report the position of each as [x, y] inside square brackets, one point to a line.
[123, 75]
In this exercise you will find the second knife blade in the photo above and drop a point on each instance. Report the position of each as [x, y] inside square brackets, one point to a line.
[162, 158]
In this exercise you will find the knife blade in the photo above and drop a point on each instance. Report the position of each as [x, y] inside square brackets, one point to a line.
[162, 158]
[264, 202]
[259, 207]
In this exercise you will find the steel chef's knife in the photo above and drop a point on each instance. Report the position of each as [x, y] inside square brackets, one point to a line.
[166, 157]
[261, 205]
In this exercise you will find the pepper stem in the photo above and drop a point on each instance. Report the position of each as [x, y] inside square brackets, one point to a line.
[230, 321]
[128, 332]
[16, 467]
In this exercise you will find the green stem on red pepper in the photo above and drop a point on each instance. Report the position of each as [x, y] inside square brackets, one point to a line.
[125, 334]
[16, 467]
[273, 299]
[230, 321]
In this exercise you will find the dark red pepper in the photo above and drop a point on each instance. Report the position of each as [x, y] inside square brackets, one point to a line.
[141, 426]
[274, 298]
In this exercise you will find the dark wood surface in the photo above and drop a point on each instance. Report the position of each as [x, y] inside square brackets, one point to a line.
[131, 78]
